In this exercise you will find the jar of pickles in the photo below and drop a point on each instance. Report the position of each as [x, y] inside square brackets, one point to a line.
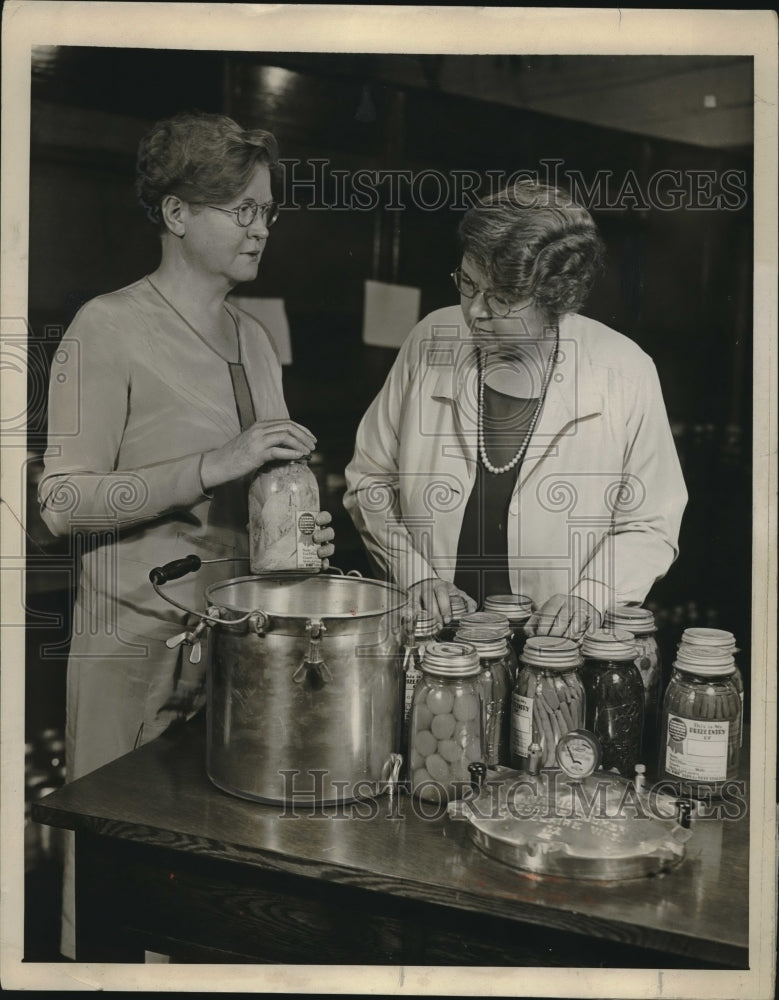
[518, 609]
[446, 733]
[640, 622]
[614, 695]
[702, 641]
[547, 700]
[701, 723]
[495, 686]
[459, 607]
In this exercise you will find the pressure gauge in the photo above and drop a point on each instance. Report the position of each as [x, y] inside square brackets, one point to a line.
[578, 753]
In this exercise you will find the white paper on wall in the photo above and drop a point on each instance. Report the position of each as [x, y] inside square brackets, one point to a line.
[273, 316]
[390, 313]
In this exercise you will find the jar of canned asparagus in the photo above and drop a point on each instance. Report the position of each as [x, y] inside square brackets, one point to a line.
[495, 687]
[701, 723]
[548, 699]
[446, 732]
[701, 641]
[640, 622]
[517, 608]
[614, 694]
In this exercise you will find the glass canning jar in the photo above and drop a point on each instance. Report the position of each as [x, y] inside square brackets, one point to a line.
[615, 698]
[701, 723]
[517, 608]
[499, 624]
[283, 504]
[421, 633]
[459, 607]
[547, 700]
[495, 686]
[701, 642]
[640, 622]
[445, 726]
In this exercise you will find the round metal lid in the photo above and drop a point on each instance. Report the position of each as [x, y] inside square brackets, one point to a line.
[615, 644]
[596, 828]
[516, 607]
[551, 652]
[484, 639]
[712, 663]
[639, 621]
[451, 659]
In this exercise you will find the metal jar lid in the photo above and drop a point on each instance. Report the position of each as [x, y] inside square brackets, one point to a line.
[639, 621]
[715, 663]
[616, 644]
[552, 652]
[499, 623]
[425, 623]
[451, 659]
[458, 606]
[516, 607]
[485, 640]
[709, 638]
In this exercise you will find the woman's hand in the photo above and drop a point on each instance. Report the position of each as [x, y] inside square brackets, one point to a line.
[564, 615]
[434, 595]
[323, 537]
[265, 441]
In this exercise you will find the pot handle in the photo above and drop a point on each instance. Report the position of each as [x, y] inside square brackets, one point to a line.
[339, 572]
[175, 570]
[313, 668]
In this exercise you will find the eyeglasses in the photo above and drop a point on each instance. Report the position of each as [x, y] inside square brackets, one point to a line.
[246, 212]
[496, 304]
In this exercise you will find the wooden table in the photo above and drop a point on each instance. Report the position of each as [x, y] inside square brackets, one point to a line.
[167, 862]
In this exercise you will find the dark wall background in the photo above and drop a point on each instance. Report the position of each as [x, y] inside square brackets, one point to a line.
[678, 282]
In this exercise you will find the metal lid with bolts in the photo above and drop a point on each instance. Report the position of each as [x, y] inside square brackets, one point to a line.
[639, 621]
[551, 652]
[485, 640]
[516, 607]
[451, 659]
[715, 663]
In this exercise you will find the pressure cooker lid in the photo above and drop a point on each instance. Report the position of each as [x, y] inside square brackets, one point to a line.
[306, 595]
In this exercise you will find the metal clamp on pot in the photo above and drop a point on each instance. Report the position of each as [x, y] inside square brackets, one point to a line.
[304, 682]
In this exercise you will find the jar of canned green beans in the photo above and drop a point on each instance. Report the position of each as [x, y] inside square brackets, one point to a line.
[495, 686]
[446, 731]
[548, 699]
[640, 622]
[701, 723]
[701, 642]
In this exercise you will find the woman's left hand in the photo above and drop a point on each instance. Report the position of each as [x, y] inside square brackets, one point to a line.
[323, 537]
[564, 615]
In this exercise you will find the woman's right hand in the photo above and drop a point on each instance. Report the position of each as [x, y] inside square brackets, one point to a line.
[434, 595]
[265, 441]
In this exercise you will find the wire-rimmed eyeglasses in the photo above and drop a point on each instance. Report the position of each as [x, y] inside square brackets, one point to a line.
[497, 305]
[246, 212]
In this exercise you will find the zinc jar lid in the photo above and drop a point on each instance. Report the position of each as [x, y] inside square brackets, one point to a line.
[516, 607]
[457, 605]
[499, 623]
[484, 639]
[639, 621]
[717, 663]
[709, 638]
[425, 623]
[451, 659]
[611, 644]
[552, 652]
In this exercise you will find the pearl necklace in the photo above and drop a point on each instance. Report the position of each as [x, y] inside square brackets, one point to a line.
[497, 470]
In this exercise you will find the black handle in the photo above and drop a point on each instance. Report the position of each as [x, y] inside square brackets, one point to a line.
[174, 570]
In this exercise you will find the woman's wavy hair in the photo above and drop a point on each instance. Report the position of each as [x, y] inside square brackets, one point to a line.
[201, 158]
[533, 241]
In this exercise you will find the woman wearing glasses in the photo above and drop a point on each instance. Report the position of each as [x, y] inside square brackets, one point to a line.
[164, 398]
[516, 445]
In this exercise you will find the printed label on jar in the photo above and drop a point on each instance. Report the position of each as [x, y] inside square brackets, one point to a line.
[307, 554]
[696, 750]
[521, 725]
[413, 676]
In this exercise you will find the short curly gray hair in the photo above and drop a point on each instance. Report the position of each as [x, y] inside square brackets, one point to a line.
[533, 241]
[201, 158]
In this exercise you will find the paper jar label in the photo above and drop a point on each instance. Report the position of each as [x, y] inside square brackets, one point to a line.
[521, 725]
[697, 750]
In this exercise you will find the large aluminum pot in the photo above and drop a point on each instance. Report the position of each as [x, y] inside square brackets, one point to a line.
[305, 691]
